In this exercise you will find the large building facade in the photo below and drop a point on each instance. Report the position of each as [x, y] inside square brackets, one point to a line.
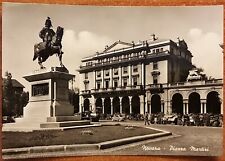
[149, 76]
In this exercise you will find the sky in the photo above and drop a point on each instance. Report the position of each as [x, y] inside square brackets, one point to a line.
[88, 29]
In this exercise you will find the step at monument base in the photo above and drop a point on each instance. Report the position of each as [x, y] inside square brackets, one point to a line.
[78, 127]
[64, 118]
[64, 124]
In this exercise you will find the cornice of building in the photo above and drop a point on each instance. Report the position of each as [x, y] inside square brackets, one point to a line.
[157, 88]
[139, 45]
[126, 62]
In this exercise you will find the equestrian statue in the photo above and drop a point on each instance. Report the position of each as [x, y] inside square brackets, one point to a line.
[51, 44]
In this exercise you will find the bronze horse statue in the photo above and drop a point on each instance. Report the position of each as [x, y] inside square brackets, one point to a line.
[45, 49]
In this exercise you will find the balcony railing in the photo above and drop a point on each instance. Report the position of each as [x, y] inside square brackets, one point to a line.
[203, 82]
[155, 88]
[119, 60]
[120, 88]
[176, 84]
[214, 81]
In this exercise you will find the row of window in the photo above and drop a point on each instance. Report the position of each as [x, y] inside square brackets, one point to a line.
[157, 50]
[116, 82]
[135, 81]
[116, 71]
[125, 70]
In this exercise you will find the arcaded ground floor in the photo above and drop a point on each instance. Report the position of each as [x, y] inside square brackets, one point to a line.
[170, 101]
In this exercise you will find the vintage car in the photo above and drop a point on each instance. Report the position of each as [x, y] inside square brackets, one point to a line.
[172, 119]
[94, 117]
[88, 115]
[118, 117]
[85, 115]
[169, 119]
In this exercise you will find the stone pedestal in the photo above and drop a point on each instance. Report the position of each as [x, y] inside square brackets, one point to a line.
[49, 100]
[49, 94]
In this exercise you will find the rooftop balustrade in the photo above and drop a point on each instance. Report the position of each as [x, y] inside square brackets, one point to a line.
[121, 60]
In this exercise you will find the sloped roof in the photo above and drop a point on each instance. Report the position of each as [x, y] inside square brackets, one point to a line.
[108, 48]
[15, 83]
[116, 43]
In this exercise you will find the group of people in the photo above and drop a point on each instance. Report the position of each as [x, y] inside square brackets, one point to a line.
[148, 118]
[206, 119]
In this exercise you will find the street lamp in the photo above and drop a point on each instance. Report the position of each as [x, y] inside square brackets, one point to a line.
[144, 74]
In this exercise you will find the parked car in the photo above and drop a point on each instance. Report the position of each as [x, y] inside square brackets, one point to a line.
[118, 117]
[165, 118]
[172, 119]
[94, 116]
[85, 115]
[88, 115]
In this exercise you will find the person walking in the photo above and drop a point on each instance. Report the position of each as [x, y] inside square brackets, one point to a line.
[149, 118]
[146, 118]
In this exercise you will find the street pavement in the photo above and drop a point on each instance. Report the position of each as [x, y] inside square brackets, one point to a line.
[186, 140]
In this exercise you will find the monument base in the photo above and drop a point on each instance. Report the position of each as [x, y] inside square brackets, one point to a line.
[48, 105]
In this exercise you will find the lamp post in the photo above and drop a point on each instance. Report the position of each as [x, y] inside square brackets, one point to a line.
[144, 74]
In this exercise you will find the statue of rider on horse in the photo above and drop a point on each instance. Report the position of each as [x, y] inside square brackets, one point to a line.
[51, 43]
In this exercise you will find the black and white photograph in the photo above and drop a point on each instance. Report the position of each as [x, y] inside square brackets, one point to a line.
[82, 80]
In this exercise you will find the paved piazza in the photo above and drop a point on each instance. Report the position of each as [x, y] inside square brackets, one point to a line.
[186, 140]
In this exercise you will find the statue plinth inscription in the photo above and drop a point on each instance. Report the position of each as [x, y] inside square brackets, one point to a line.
[40, 89]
